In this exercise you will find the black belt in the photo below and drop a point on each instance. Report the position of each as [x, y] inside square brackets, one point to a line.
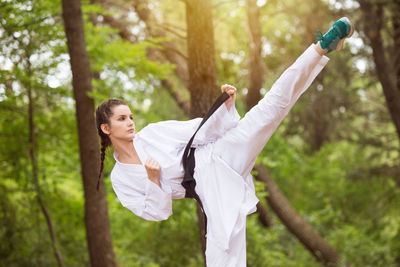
[188, 160]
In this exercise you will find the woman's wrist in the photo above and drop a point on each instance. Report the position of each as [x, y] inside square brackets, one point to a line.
[156, 181]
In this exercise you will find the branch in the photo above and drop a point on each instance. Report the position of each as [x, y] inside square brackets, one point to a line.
[294, 222]
[168, 48]
[264, 216]
[223, 3]
[170, 25]
[15, 27]
[123, 30]
[172, 54]
[182, 103]
[168, 29]
[373, 15]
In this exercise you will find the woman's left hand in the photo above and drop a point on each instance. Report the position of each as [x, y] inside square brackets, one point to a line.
[153, 171]
[231, 91]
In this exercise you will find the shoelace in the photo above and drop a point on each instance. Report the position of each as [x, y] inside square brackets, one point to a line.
[319, 35]
[331, 35]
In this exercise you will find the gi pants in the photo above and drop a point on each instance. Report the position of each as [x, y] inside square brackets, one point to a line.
[240, 146]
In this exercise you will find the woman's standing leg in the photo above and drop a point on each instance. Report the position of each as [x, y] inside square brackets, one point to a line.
[240, 146]
[235, 256]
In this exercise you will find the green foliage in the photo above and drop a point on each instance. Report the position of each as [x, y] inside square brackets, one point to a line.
[355, 212]
[346, 186]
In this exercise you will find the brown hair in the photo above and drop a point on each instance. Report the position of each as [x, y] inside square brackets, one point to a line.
[103, 114]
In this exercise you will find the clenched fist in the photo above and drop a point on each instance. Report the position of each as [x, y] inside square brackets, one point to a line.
[153, 170]
[231, 91]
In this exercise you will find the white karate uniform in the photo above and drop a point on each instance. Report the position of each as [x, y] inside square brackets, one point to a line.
[227, 148]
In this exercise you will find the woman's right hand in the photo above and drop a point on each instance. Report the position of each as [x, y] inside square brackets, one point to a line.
[153, 170]
[231, 91]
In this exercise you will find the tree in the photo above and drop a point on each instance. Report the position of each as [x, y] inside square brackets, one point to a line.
[255, 65]
[96, 212]
[201, 64]
[27, 76]
[35, 175]
[373, 24]
[255, 76]
[201, 56]
[303, 231]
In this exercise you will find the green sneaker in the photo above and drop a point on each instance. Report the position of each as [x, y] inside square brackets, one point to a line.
[334, 38]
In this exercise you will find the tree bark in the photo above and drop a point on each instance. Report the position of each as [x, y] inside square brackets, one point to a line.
[319, 128]
[255, 70]
[264, 217]
[255, 77]
[396, 39]
[32, 155]
[201, 56]
[202, 68]
[373, 15]
[96, 213]
[295, 223]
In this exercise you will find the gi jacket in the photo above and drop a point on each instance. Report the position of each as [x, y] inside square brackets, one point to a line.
[224, 193]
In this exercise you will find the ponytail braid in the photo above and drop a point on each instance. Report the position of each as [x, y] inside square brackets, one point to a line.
[102, 156]
[103, 114]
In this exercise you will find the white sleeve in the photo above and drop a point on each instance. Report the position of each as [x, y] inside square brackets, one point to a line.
[171, 134]
[155, 204]
[217, 125]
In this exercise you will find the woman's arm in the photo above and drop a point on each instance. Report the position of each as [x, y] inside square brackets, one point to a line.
[171, 134]
[225, 118]
[149, 199]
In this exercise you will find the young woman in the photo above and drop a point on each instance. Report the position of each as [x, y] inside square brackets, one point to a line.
[148, 171]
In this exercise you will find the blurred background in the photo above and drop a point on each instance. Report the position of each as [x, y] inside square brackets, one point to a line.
[328, 180]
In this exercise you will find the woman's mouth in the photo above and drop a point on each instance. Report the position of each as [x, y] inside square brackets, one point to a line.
[131, 130]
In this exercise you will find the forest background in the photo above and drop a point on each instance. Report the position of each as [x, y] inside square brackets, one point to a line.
[328, 180]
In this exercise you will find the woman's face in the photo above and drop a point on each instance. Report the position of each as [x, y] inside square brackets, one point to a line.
[121, 126]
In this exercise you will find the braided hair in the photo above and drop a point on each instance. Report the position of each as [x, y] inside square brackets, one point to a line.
[103, 114]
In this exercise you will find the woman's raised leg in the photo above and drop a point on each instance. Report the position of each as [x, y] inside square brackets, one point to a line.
[240, 146]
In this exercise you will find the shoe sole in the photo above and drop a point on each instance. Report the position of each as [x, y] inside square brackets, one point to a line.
[340, 44]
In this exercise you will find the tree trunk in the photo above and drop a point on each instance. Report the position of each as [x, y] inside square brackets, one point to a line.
[201, 56]
[255, 74]
[372, 28]
[255, 77]
[396, 38]
[319, 128]
[32, 155]
[96, 213]
[264, 217]
[202, 68]
[295, 223]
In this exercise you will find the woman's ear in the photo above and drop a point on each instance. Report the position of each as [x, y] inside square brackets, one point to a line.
[105, 128]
